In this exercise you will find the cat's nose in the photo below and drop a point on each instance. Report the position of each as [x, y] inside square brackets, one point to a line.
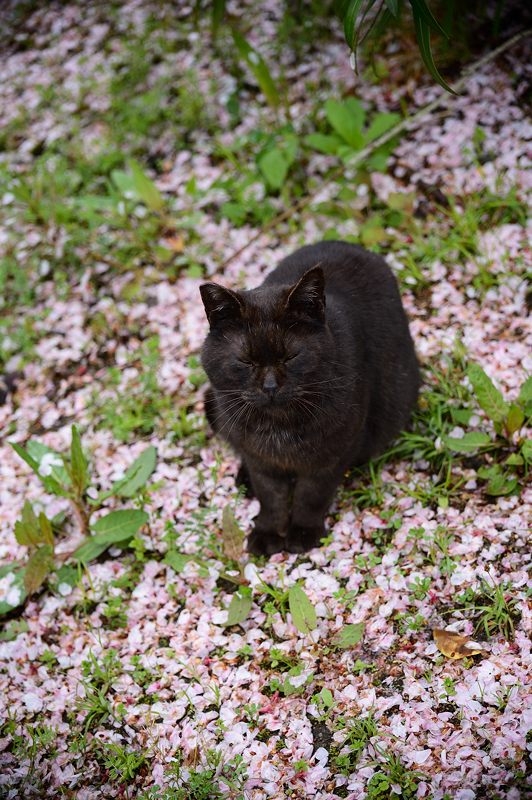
[270, 386]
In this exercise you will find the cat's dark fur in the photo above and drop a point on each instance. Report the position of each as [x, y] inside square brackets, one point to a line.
[311, 373]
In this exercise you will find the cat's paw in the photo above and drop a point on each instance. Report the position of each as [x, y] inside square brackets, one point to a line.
[299, 540]
[265, 543]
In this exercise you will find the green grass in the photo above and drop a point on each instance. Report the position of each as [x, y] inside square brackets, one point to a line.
[493, 609]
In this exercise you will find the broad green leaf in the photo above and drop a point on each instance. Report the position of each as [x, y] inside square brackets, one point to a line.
[145, 188]
[423, 39]
[461, 415]
[232, 535]
[137, 474]
[501, 485]
[324, 144]
[515, 419]
[347, 119]
[177, 560]
[348, 635]
[258, 67]
[50, 462]
[525, 395]
[50, 483]
[489, 398]
[14, 629]
[38, 567]
[120, 523]
[526, 450]
[468, 443]
[380, 124]
[78, 464]
[514, 460]
[274, 167]
[240, 606]
[115, 528]
[16, 593]
[302, 610]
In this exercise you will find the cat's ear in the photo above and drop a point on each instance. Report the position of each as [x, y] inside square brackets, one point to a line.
[221, 305]
[307, 297]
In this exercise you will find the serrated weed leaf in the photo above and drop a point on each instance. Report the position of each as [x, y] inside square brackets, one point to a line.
[489, 397]
[469, 443]
[38, 567]
[302, 611]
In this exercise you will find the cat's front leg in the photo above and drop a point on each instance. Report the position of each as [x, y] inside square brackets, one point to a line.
[271, 524]
[312, 498]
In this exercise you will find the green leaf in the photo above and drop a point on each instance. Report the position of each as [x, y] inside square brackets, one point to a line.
[348, 635]
[274, 167]
[423, 40]
[347, 119]
[145, 188]
[240, 606]
[501, 485]
[14, 629]
[218, 12]
[177, 560]
[525, 395]
[53, 460]
[468, 443]
[324, 144]
[302, 610]
[16, 593]
[38, 567]
[421, 9]
[49, 482]
[78, 464]
[393, 6]
[258, 67]
[461, 415]
[115, 528]
[46, 530]
[526, 450]
[349, 13]
[515, 419]
[489, 398]
[27, 530]
[514, 460]
[380, 124]
[137, 474]
[232, 535]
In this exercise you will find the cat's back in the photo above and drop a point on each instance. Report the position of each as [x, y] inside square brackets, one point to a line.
[347, 268]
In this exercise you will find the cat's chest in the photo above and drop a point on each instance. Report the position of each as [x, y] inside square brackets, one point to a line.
[281, 445]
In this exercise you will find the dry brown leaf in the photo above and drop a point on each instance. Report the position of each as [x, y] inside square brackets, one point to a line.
[175, 243]
[454, 645]
[232, 535]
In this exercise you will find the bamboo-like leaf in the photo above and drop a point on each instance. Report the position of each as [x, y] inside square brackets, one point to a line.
[302, 610]
[258, 67]
[46, 530]
[420, 8]
[423, 38]
[515, 419]
[349, 14]
[393, 6]
[489, 397]
[218, 12]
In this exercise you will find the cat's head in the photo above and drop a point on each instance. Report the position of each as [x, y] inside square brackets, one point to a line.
[270, 346]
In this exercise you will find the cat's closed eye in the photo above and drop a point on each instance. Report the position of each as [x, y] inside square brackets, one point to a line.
[291, 357]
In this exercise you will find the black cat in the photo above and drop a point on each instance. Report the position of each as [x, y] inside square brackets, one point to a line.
[311, 373]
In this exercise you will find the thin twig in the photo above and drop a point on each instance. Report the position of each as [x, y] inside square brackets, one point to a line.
[363, 154]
